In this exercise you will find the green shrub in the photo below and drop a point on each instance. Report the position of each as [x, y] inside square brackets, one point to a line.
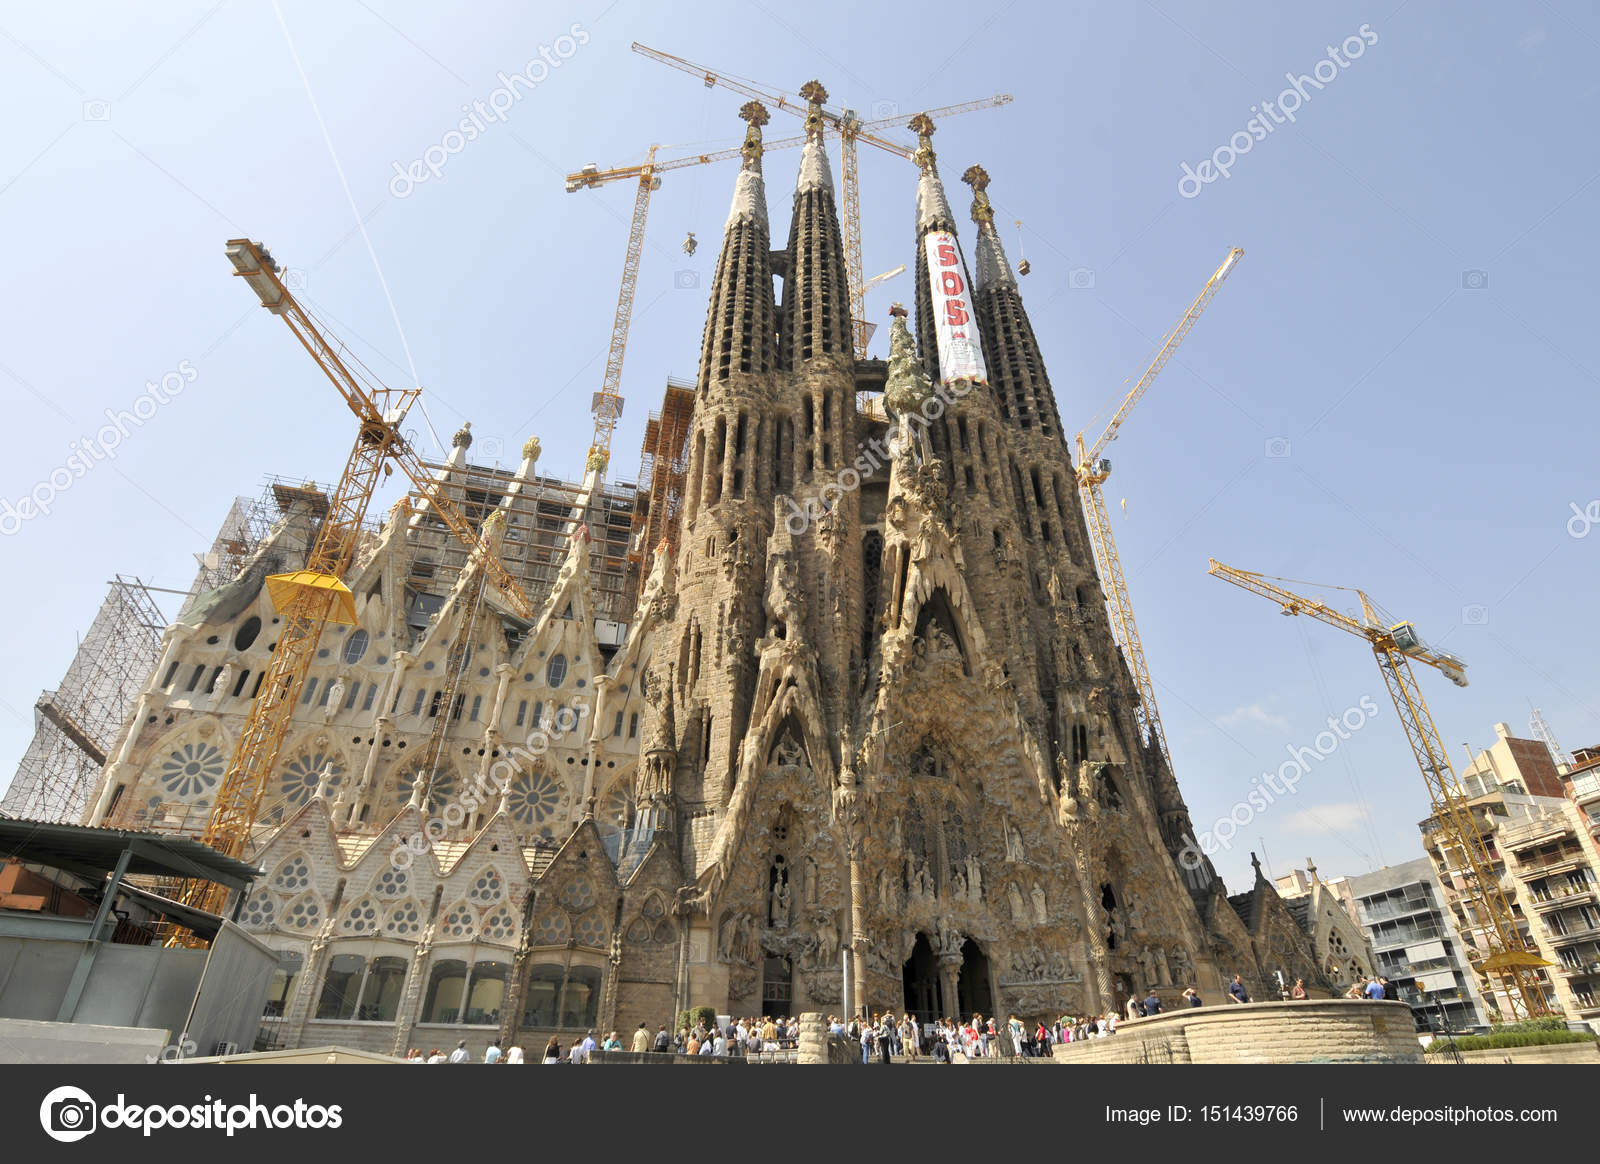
[1547, 1023]
[1503, 1039]
[705, 1014]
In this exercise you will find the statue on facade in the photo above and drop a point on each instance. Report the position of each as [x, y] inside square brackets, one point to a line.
[1040, 914]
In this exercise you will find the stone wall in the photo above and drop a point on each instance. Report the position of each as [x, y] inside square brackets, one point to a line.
[1263, 1032]
[1553, 1053]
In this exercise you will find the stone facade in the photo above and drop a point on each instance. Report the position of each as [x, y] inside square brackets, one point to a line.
[867, 737]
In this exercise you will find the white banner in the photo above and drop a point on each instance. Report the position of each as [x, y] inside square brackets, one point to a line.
[960, 354]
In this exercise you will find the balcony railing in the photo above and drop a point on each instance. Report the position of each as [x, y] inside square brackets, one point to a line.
[1565, 896]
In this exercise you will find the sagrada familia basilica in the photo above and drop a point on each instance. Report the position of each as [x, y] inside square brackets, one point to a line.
[859, 736]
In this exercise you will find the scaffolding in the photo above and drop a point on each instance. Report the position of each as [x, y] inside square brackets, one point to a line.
[541, 514]
[76, 725]
[663, 470]
[237, 538]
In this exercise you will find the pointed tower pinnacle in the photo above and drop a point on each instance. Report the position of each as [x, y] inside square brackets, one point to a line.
[1016, 367]
[906, 387]
[814, 171]
[815, 291]
[994, 268]
[749, 191]
[933, 208]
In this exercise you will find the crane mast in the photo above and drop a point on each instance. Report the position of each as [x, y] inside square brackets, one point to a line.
[308, 599]
[1466, 853]
[1092, 471]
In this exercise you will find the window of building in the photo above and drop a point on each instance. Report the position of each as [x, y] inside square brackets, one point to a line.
[633, 725]
[565, 998]
[350, 700]
[477, 705]
[372, 693]
[355, 647]
[522, 713]
[459, 994]
[172, 673]
[556, 672]
[246, 634]
[416, 706]
[616, 729]
[194, 679]
[311, 690]
[281, 989]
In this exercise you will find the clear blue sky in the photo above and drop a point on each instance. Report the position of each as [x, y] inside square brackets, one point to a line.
[1436, 432]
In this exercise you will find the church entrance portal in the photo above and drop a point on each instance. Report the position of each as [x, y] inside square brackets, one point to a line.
[972, 987]
[921, 978]
[928, 994]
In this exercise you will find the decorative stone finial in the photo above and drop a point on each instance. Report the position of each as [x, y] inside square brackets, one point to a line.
[530, 449]
[463, 437]
[755, 115]
[815, 95]
[922, 126]
[898, 310]
[978, 178]
[597, 461]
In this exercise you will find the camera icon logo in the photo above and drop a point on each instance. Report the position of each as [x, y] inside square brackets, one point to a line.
[1081, 278]
[1278, 447]
[685, 280]
[1475, 614]
[883, 110]
[493, 448]
[97, 110]
[1474, 280]
[68, 1114]
[294, 278]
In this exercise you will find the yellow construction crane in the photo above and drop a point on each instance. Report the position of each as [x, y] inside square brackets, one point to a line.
[607, 403]
[1092, 470]
[1461, 844]
[851, 129]
[308, 599]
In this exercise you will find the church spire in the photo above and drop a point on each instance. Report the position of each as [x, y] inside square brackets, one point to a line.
[933, 208]
[816, 295]
[741, 322]
[946, 332]
[1016, 368]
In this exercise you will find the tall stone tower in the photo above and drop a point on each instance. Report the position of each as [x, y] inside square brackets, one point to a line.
[894, 756]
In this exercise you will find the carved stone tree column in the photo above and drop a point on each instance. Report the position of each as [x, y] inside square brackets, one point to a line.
[950, 983]
[1080, 818]
[847, 811]
[411, 1001]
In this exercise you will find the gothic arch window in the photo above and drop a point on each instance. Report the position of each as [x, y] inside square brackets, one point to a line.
[305, 913]
[259, 911]
[553, 930]
[293, 875]
[555, 672]
[361, 917]
[392, 883]
[488, 887]
[652, 926]
[460, 922]
[404, 920]
[500, 925]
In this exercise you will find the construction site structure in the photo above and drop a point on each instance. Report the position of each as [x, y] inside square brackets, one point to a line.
[76, 725]
[1093, 469]
[663, 469]
[1545, 734]
[1496, 946]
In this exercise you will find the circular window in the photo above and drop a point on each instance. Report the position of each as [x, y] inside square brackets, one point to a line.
[534, 798]
[246, 634]
[442, 789]
[555, 673]
[355, 647]
[302, 775]
[192, 769]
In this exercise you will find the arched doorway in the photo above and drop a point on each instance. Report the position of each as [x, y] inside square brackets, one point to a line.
[973, 988]
[921, 980]
[777, 986]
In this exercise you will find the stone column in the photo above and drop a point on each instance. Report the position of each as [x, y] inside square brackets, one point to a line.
[381, 724]
[813, 1039]
[406, 1015]
[950, 984]
[294, 1023]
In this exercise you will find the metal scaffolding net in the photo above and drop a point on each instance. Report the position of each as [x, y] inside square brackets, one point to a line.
[663, 470]
[76, 725]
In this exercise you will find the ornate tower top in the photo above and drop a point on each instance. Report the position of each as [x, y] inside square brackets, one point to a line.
[463, 437]
[978, 178]
[922, 126]
[755, 115]
[815, 95]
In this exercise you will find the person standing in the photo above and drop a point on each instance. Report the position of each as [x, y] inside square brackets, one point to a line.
[1236, 991]
[515, 1056]
[492, 1055]
[1375, 990]
[552, 1051]
[461, 1054]
[1152, 1003]
[1299, 991]
[641, 1039]
[1191, 996]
